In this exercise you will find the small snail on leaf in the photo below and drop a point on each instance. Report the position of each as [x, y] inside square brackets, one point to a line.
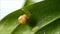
[23, 18]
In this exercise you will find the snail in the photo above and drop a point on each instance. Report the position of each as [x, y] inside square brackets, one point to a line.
[23, 19]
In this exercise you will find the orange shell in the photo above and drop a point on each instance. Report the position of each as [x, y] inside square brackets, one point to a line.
[23, 19]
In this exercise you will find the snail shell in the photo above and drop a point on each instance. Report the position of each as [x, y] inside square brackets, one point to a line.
[23, 19]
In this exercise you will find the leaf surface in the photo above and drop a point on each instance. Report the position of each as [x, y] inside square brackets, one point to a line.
[43, 14]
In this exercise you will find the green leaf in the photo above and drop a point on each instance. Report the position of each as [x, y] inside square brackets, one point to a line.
[52, 28]
[9, 23]
[42, 15]
[30, 2]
